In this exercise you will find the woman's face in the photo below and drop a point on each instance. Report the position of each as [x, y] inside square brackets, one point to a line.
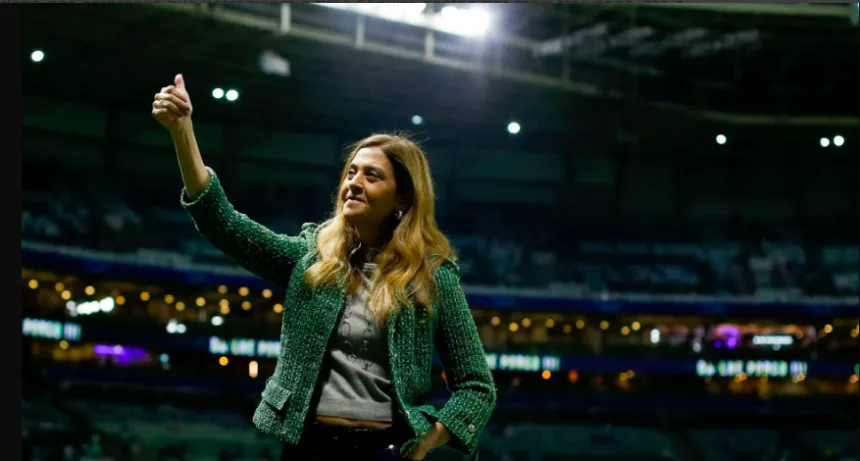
[369, 192]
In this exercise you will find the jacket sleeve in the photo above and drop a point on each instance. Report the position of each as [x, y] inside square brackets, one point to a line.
[253, 246]
[473, 393]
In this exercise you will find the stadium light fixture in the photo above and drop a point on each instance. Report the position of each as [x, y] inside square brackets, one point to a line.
[273, 64]
[514, 127]
[232, 95]
[838, 141]
[37, 56]
[721, 139]
[409, 13]
[218, 93]
[417, 120]
[394, 10]
[824, 142]
[469, 22]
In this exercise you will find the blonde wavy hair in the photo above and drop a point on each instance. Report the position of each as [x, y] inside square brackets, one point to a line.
[416, 248]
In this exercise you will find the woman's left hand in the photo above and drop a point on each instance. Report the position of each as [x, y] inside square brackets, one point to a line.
[434, 438]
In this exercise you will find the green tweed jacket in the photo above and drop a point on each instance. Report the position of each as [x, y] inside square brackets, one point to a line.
[309, 319]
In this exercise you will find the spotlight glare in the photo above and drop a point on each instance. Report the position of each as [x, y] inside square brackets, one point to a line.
[37, 56]
[721, 139]
[218, 93]
[514, 128]
[824, 142]
[838, 141]
[232, 95]
[417, 120]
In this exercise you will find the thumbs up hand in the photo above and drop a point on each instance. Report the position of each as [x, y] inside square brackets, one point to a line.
[172, 106]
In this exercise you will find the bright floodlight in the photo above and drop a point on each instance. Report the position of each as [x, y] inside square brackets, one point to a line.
[513, 128]
[473, 21]
[232, 95]
[459, 20]
[37, 55]
[417, 120]
[721, 139]
[217, 93]
[824, 142]
[449, 11]
[398, 10]
[480, 20]
[838, 141]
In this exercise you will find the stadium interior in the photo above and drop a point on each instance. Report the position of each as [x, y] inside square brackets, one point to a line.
[654, 207]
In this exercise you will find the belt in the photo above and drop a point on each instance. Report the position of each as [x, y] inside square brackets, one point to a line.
[357, 435]
[321, 442]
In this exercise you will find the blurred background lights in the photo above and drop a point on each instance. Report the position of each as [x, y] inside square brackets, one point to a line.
[37, 56]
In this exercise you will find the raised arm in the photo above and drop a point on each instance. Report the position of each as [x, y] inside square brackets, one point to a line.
[253, 246]
[172, 108]
[473, 392]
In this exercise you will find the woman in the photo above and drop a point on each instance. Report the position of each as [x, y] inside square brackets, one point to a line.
[371, 294]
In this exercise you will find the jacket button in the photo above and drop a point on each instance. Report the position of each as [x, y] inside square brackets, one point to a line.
[471, 428]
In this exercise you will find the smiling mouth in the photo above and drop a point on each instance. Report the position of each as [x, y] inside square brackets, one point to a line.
[354, 200]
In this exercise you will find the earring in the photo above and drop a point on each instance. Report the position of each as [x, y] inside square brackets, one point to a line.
[398, 214]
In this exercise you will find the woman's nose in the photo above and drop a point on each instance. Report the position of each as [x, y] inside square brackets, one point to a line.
[354, 184]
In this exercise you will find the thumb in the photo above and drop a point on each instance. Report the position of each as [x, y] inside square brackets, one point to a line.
[179, 81]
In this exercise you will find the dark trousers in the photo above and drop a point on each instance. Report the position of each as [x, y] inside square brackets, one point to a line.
[320, 442]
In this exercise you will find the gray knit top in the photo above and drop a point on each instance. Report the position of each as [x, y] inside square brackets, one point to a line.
[355, 378]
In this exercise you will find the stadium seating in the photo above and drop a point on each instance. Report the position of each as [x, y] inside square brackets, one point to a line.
[204, 436]
[584, 265]
[843, 444]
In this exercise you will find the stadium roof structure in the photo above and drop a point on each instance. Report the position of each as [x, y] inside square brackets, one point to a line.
[575, 67]
[732, 57]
